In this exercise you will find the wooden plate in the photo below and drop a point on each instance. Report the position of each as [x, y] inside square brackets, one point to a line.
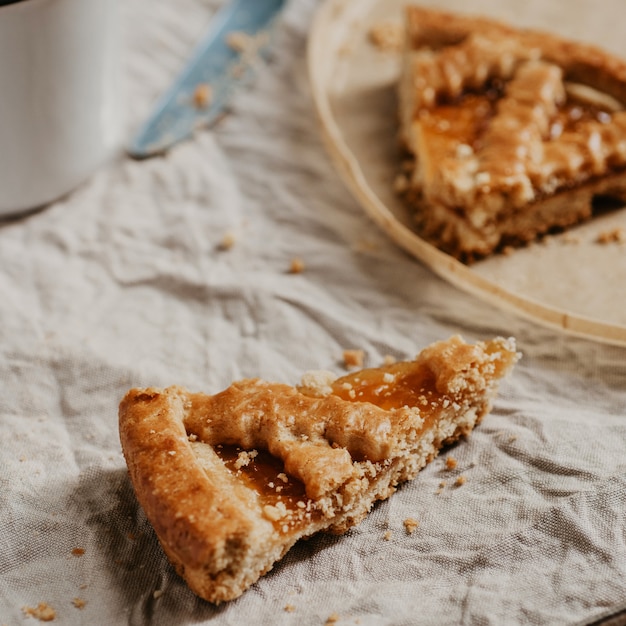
[570, 282]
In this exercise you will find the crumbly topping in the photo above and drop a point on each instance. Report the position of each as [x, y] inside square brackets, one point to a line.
[389, 378]
[451, 463]
[275, 512]
[317, 383]
[244, 458]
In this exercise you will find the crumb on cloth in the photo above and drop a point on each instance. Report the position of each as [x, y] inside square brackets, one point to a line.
[43, 612]
[387, 36]
[228, 241]
[411, 525]
[451, 463]
[353, 358]
[614, 235]
[296, 266]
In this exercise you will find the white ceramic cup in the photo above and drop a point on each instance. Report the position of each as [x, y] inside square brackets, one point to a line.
[60, 97]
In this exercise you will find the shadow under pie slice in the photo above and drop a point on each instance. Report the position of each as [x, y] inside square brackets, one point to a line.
[231, 481]
[512, 133]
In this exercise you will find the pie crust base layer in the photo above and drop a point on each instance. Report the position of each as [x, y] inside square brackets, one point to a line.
[514, 133]
[231, 481]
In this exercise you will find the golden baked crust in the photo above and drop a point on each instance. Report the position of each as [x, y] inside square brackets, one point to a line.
[513, 132]
[231, 481]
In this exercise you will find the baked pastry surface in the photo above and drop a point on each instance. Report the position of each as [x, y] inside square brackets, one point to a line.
[513, 133]
[231, 481]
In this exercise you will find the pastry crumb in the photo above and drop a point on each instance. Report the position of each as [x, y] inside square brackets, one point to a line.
[614, 235]
[411, 525]
[228, 241]
[243, 459]
[451, 463]
[353, 358]
[202, 95]
[239, 41]
[289, 608]
[387, 36]
[43, 612]
[78, 551]
[317, 383]
[333, 618]
[157, 594]
[387, 536]
[388, 377]
[461, 480]
[275, 512]
[79, 603]
[296, 266]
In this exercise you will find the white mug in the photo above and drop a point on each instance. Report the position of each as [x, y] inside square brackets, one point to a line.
[60, 109]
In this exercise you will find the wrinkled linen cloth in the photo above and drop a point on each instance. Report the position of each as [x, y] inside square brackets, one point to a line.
[125, 283]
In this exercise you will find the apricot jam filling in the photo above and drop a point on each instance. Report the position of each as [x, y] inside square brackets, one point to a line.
[392, 387]
[281, 496]
[465, 120]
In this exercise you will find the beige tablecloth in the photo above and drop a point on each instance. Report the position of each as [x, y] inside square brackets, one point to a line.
[124, 283]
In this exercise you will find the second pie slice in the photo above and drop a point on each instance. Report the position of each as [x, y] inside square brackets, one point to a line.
[231, 481]
[513, 133]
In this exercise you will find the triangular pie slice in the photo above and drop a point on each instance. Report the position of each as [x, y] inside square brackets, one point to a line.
[231, 481]
[513, 133]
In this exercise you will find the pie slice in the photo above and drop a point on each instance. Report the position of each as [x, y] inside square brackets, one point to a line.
[231, 481]
[512, 133]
